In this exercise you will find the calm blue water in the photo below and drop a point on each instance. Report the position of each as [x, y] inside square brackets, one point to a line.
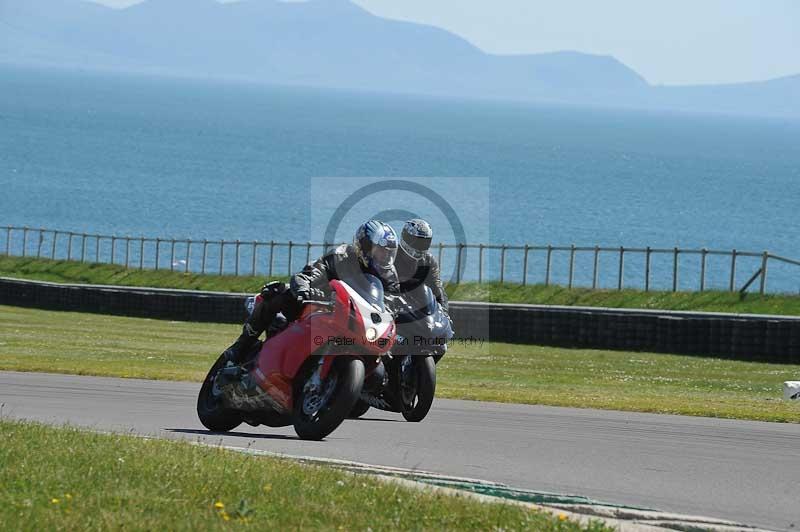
[177, 158]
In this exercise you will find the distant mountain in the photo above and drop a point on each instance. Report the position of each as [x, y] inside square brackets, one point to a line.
[334, 43]
[777, 97]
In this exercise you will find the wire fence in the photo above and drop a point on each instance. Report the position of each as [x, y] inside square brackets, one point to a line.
[571, 266]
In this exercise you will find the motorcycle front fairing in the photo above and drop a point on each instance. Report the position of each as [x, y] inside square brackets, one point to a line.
[284, 354]
[358, 325]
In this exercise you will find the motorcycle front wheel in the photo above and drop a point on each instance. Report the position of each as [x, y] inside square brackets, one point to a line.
[418, 388]
[213, 415]
[359, 410]
[318, 412]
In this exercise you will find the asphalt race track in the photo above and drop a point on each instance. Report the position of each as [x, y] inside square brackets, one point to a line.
[738, 470]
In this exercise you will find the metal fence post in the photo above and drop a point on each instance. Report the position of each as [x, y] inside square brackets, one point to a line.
[502, 264]
[236, 262]
[271, 255]
[96, 249]
[308, 252]
[732, 284]
[158, 251]
[205, 250]
[24, 240]
[113, 247]
[648, 252]
[289, 267]
[253, 269]
[127, 250]
[188, 255]
[441, 247]
[480, 263]
[571, 265]
[703, 254]
[8, 240]
[621, 267]
[547, 268]
[39, 245]
[69, 245]
[83, 247]
[221, 254]
[764, 260]
[458, 262]
[141, 252]
[53, 250]
[595, 271]
[675, 270]
[525, 265]
[172, 255]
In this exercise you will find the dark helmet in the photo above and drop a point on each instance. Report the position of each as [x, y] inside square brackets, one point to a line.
[376, 246]
[415, 239]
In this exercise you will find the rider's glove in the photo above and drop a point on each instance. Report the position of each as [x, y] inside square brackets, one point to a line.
[310, 294]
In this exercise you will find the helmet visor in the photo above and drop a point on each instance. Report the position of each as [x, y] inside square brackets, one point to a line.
[415, 246]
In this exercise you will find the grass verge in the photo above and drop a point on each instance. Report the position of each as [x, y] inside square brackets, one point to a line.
[711, 301]
[90, 344]
[65, 479]
[62, 271]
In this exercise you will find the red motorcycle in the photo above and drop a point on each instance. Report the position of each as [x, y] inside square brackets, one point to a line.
[311, 373]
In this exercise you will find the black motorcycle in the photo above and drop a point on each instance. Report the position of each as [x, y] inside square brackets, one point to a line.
[407, 382]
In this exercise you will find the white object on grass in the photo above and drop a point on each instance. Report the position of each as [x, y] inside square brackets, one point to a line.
[791, 390]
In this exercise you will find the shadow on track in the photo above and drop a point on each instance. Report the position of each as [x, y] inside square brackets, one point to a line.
[251, 435]
[378, 419]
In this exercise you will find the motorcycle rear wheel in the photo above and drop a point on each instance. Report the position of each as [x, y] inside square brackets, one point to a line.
[423, 389]
[349, 375]
[213, 415]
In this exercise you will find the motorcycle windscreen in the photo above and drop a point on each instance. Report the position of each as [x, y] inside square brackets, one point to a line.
[369, 287]
[422, 304]
[430, 302]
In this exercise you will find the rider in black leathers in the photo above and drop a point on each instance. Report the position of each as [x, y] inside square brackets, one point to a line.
[415, 264]
[373, 251]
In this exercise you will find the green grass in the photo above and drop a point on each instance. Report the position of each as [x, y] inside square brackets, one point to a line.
[64, 479]
[62, 271]
[712, 301]
[90, 344]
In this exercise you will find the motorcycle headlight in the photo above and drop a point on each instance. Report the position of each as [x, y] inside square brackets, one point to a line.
[371, 334]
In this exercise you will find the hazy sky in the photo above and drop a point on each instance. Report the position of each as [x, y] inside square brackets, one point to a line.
[669, 42]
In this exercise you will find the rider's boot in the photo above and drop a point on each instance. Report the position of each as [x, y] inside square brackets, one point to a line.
[238, 350]
[274, 299]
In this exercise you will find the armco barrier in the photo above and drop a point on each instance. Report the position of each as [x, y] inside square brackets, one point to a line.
[744, 337]
[184, 305]
[739, 336]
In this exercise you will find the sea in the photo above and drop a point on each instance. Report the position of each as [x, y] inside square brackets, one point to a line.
[134, 155]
